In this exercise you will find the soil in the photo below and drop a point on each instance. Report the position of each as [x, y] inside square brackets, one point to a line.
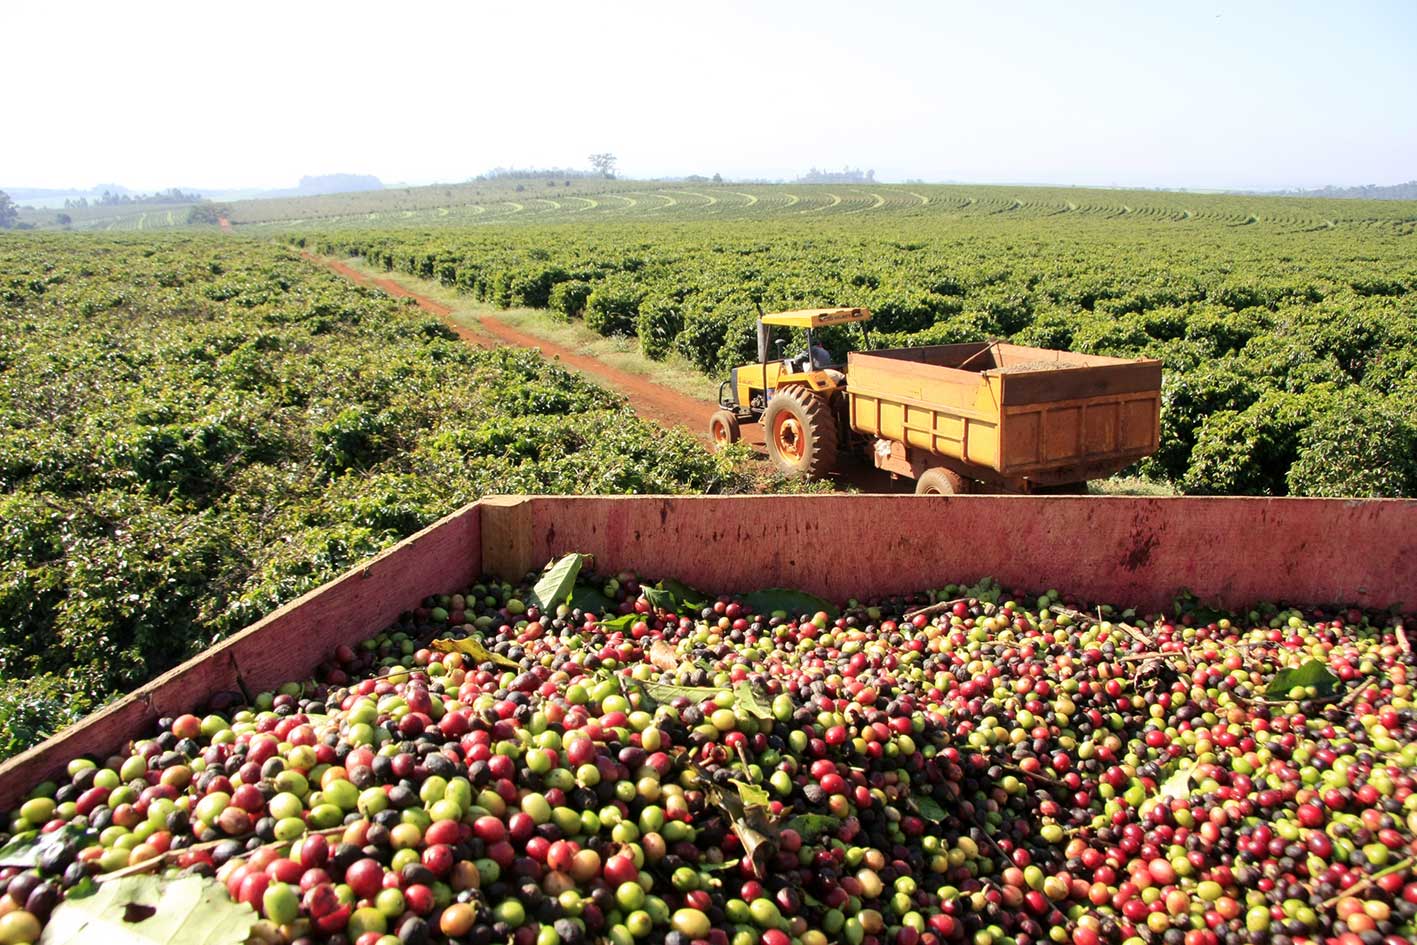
[652, 401]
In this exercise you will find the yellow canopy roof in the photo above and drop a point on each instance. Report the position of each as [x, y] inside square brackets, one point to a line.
[817, 317]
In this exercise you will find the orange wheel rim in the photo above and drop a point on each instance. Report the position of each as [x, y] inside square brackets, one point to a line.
[720, 432]
[787, 434]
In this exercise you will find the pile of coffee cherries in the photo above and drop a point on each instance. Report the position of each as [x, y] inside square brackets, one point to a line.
[970, 766]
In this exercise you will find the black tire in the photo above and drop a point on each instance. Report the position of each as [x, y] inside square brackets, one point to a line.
[801, 433]
[939, 481]
[724, 429]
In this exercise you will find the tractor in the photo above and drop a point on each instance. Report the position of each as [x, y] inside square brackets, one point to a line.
[797, 394]
[986, 416]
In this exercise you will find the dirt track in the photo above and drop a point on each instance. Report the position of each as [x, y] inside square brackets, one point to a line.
[650, 400]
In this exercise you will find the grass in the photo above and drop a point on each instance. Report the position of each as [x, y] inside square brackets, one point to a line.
[621, 353]
[1131, 485]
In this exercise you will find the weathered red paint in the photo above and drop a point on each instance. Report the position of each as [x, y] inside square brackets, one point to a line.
[1137, 551]
[1134, 550]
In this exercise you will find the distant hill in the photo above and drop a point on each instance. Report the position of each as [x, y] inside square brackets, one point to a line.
[1407, 191]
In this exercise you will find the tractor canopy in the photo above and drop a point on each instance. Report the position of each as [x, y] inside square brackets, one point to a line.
[817, 317]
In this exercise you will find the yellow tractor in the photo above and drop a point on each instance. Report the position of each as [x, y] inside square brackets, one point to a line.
[796, 393]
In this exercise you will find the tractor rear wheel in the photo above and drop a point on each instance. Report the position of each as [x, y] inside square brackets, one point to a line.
[800, 432]
[723, 428]
[940, 481]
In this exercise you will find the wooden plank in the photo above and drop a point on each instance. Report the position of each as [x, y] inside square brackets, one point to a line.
[1009, 354]
[1101, 426]
[1036, 387]
[288, 644]
[507, 540]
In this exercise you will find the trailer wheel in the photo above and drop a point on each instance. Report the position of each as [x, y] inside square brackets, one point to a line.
[940, 481]
[800, 432]
[724, 429]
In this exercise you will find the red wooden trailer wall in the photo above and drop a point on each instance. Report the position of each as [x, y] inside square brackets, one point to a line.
[1137, 551]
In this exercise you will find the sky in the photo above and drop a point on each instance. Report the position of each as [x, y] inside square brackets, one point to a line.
[1198, 93]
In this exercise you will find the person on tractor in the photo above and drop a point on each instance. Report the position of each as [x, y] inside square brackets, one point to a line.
[820, 358]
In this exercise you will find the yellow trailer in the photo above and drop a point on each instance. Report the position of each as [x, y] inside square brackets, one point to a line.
[1000, 417]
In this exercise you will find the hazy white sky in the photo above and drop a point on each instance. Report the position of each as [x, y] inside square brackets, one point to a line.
[1208, 93]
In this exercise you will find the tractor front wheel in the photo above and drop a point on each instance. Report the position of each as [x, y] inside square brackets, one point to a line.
[801, 433]
[723, 429]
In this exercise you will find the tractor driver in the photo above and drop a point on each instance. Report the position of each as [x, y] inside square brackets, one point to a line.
[820, 358]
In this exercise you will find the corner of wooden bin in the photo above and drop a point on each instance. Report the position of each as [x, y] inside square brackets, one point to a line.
[507, 537]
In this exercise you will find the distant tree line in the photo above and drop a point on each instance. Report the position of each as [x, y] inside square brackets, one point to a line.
[1407, 191]
[565, 173]
[847, 175]
[110, 199]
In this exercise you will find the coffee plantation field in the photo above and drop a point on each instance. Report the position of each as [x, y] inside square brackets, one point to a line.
[1286, 326]
[196, 430]
[591, 200]
[588, 200]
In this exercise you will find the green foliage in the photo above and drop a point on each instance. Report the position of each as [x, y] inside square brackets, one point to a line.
[193, 432]
[355, 439]
[702, 337]
[33, 709]
[613, 306]
[1187, 398]
[569, 297]
[1365, 445]
[659, 322]
[902, 308]
[1249, 452]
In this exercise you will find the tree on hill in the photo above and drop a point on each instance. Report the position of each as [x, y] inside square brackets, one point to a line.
[9, 213]
[205, 214]
[604, 164]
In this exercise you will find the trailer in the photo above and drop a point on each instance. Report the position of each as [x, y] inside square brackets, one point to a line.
[995, 417]
[980, 417]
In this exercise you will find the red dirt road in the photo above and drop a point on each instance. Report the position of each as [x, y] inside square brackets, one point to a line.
[652, 401]
[468, 336]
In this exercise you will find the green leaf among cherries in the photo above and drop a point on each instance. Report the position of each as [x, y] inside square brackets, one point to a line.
[558, 581]
[148, 910]
[1314, 674]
